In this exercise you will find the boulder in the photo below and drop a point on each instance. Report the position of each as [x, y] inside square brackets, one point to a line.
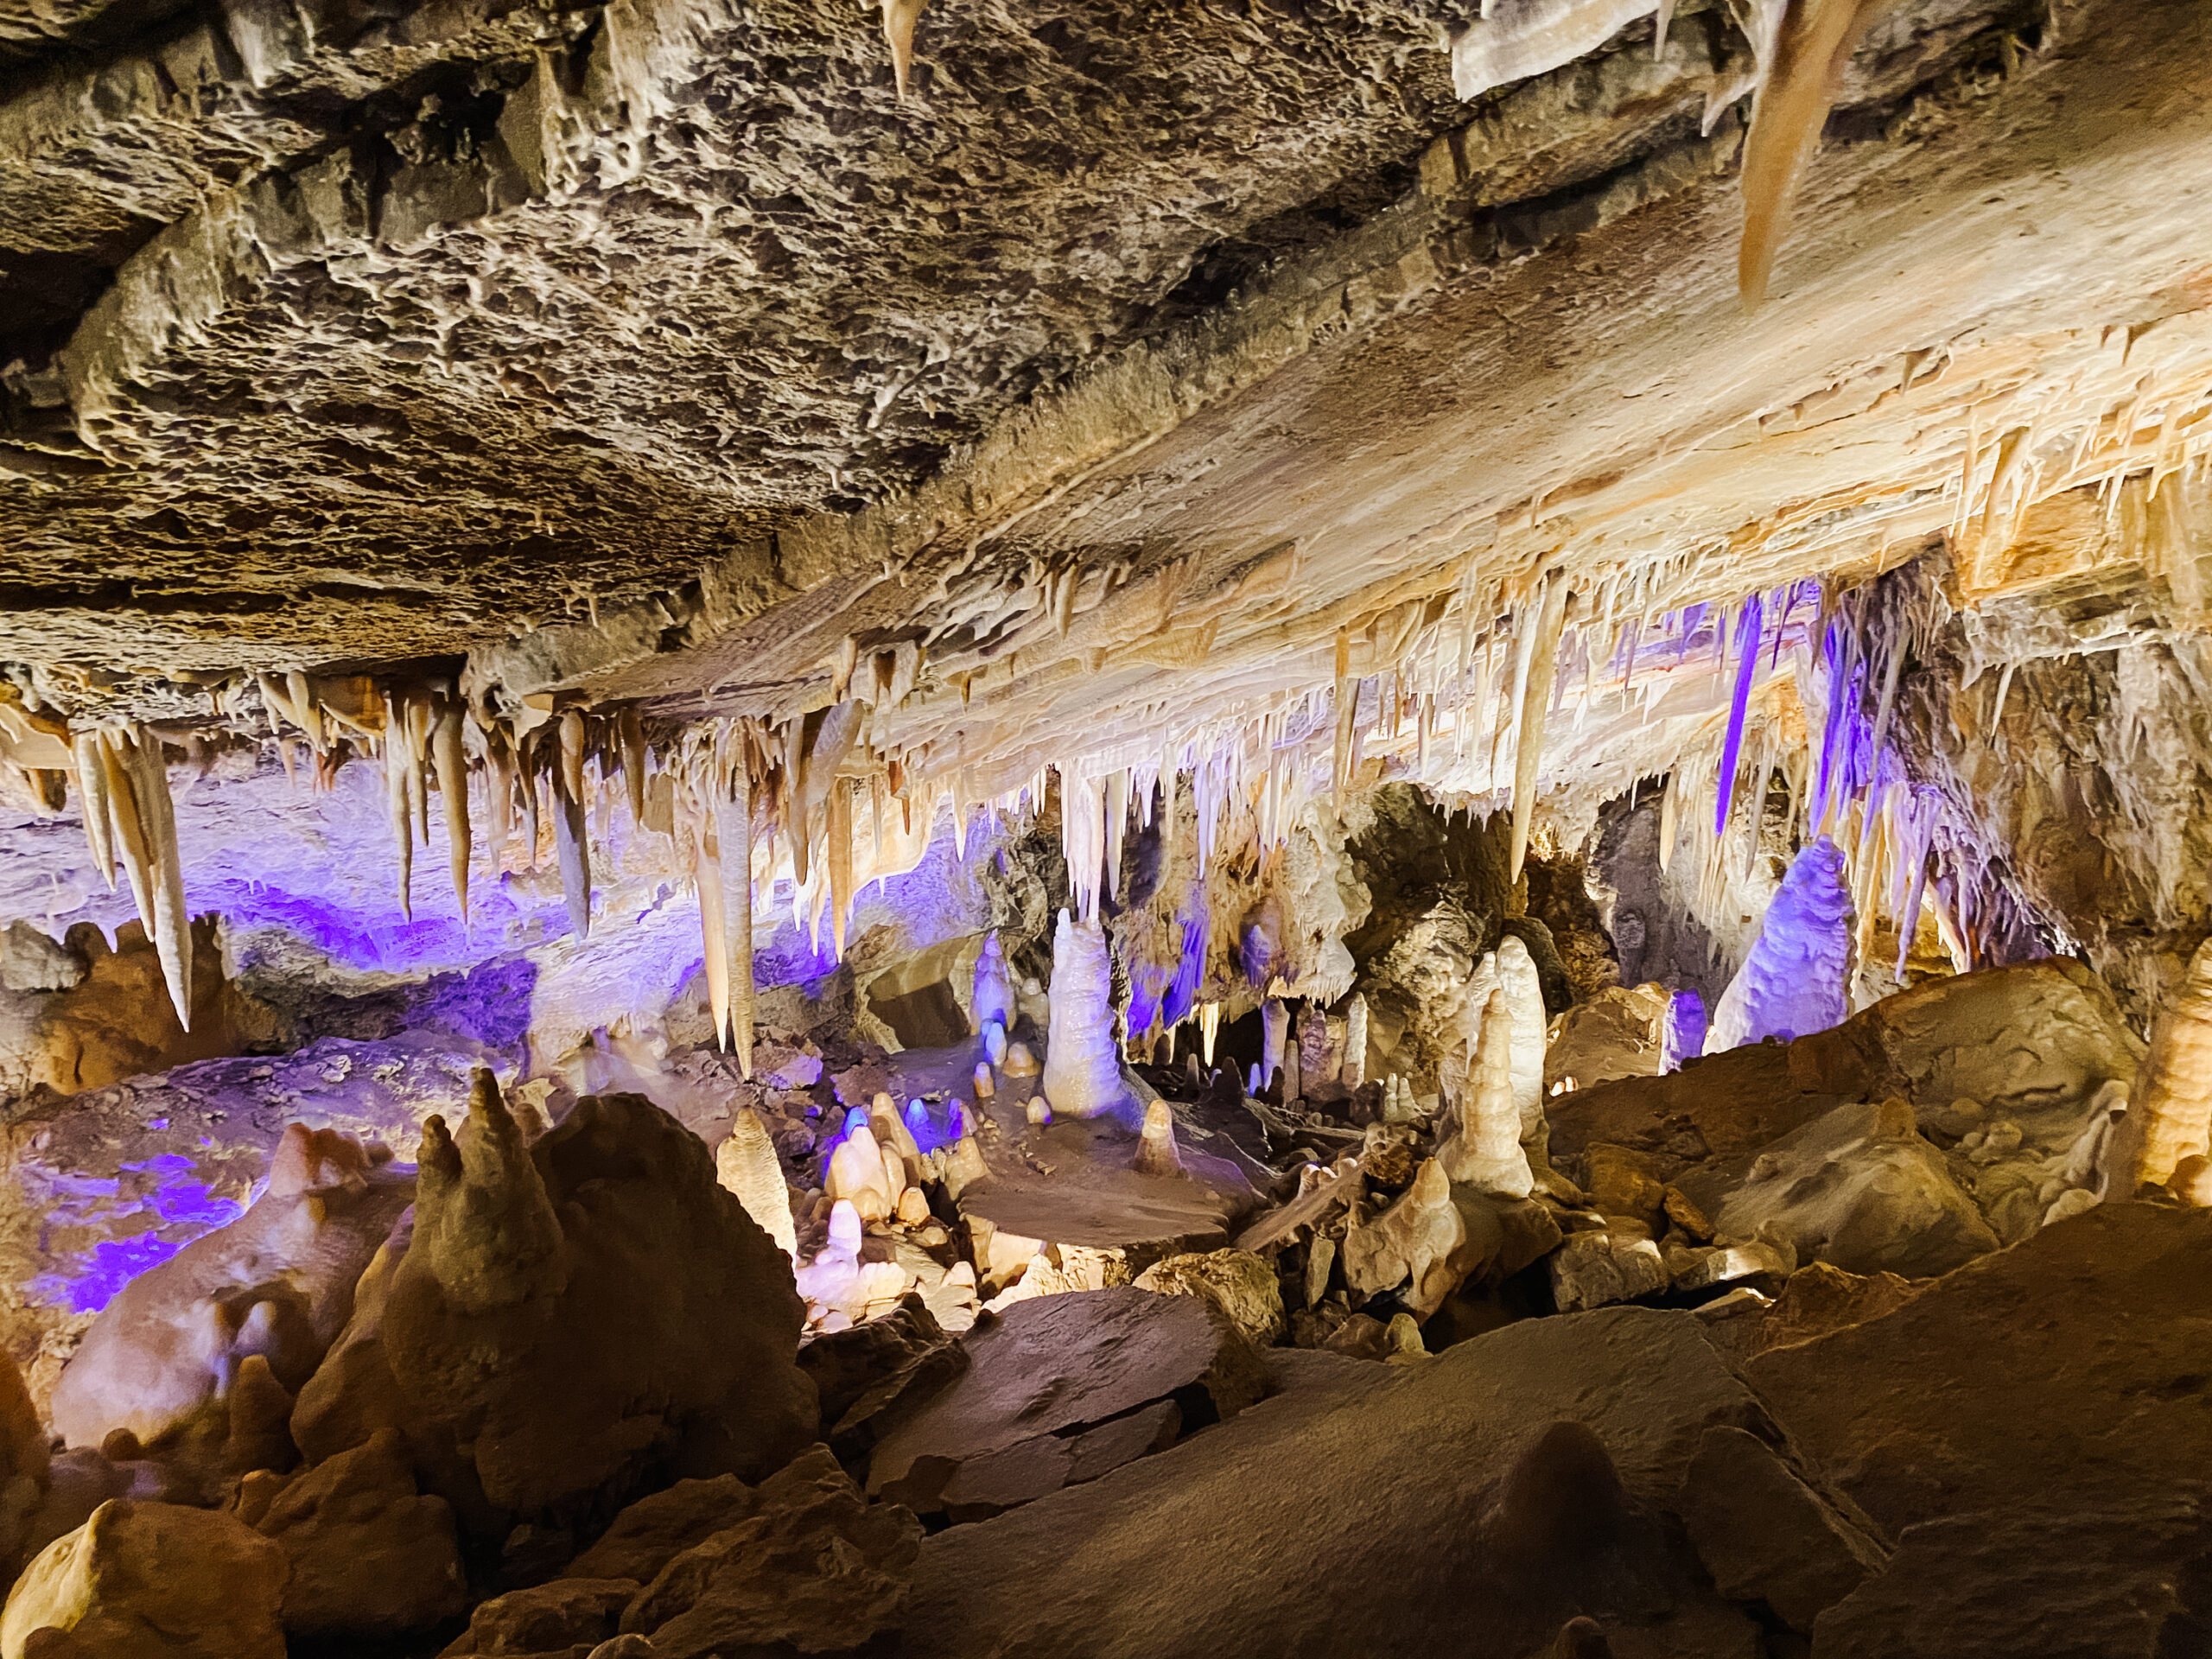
[1820, 1297]
[139, 1579]
[869, 1371]
[815, 1569]
[1616, 1033]
[579, 1313]
[1433, 1506]
[369, 1556]
[657, 1528]
[1048, 1374]
[25, 1468]
[278, 1282]
[1241, 1285]
[569, 1617]
[1766, 1536]
[1859, 1189]
[2124, 1580]
[2071, 1366]
[1593, 1268]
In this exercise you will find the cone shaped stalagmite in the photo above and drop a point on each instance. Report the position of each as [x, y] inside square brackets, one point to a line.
[746, 1165]
[2172, 1096]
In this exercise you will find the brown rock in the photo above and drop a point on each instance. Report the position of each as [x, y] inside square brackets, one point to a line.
[1622, 1182]
[1766, 1535]
[815, 1569]
[572, 1310]
[1052, 1367]
[864, 1372]
[1820, 1297]
[1242, 1285]
[568, 1618]
[139, 1579]
[369, 1556]
[652, 1531]
[2005, 1383]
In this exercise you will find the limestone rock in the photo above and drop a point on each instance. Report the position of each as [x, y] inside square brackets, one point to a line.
[1050, 1368]
[1414, 1243]
[1241, 1285]
[1999, 1385]
[2121, 1580]
[1616, 1033]
[1524, 990]
[1484, 1149]
[278, 1282]
[872, 1369]
[570, 1310]
[2169, 1106]
[657, 1528]
[1593, 1268]
[1820, 1297]
[1621, 1181]
[369, 1558]
[1370, 1485]
[567, 1617]
[25, 1468]
[145, 1579]
[1859, 1189]
[815, 1569]
[1766, 1535]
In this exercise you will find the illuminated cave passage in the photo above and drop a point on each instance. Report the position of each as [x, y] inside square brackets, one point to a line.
[1209, 830]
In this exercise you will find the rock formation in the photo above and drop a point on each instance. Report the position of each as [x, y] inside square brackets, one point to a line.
[1082, 1075]
[1793, 983]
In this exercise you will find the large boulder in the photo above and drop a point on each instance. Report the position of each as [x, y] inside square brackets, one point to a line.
[1061, 1389]
[2068, 1368]
[278, 1283]
[813, 1569]
[370, 1557]
[575, 1317]
[2030, 1044]
[1469, 1504]
[140, 1579]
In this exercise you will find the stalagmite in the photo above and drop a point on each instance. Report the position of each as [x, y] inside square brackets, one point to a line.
[1156, 1152]
[92, 804]
[1485, 1146]
[1536, 698]
[987, 1086]
[745, 1166]
[572, 846]
[1275, 1032]
[452, 764]
[1082, 1070]
[1684, 1035]
[2170, 1105]
[1524, 1003]
[1412, 1245]
[858, 1174]
[1355, 1066]
[993, 994]
[1795, 980]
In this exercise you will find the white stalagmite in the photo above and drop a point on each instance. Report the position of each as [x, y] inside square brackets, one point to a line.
[1275, 1032]
[1083, 1075]
[452, 764]
[994, 996]
[1535, 701]
[745, 1166]
[1156, 1152]
[2172, 1100]
[1355, 1066]
[1485, 1146]
[1524, 1004]
[859, 1175]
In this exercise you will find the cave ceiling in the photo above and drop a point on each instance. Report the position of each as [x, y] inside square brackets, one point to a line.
[1140, 367]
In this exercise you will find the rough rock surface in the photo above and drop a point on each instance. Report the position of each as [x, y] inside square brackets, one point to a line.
[278, 1282]
[1352, 1510]
[572, 1310]
[2067, 1367]
[1045, 1387]
[140, 1578]
[1242, 1286]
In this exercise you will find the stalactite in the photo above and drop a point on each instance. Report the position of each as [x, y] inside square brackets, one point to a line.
[92, 790]
[452, 764]
[743, 994]
[1667, 813]
[526, 780]
[703, 851]
[1528, 751]
[840, 833]
[1747, 663]
[397, 765]
[1806, 45]
[630, 732]
[572, 847]
[499, 795]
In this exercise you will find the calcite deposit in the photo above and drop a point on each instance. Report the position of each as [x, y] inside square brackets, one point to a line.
[1323, 829]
